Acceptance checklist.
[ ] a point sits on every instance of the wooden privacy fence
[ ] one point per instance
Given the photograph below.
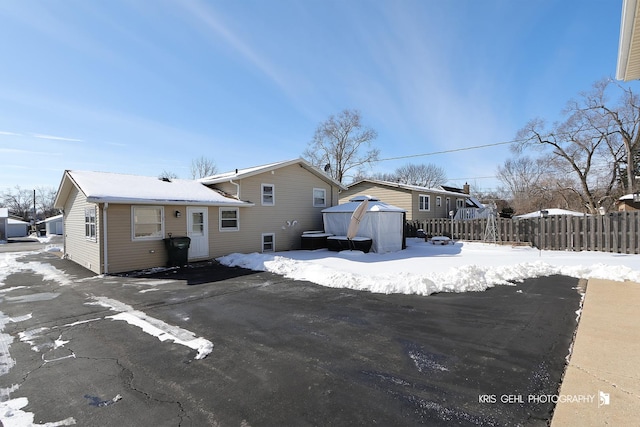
(616, 232)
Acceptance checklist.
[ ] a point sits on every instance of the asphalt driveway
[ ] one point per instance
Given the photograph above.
(285, 352)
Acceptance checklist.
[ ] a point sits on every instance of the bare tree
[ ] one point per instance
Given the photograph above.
(424, 175)
(202, 167)
(620, 124)
(19, 201)
(574, 144)
(167, 175)
(341, 144)
(45, 197)
(524, 178)
(379, 176)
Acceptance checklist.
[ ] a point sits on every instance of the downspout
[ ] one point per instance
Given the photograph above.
(237, 188)
(105, 205)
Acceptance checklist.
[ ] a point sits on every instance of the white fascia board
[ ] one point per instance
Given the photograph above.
(627, 22)
(124, 201)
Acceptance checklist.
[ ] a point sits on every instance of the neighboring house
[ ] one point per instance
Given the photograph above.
(628, 203)
(115, 223)
(472, 208)
(4, 222)
(52, 225)
(419, 202)
(11, 227)
(17, 228)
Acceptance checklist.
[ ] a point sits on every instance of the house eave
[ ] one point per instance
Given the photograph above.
(628, 66)
(132, 201)
(230, 176)
(411, 188)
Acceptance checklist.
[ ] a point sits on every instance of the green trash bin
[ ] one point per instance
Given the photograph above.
(178, 250)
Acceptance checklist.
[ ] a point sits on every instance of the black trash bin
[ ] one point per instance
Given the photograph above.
(178, 250)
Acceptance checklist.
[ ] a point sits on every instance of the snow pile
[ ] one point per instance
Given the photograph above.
(155, 327)
(9, 264)
(424, 269)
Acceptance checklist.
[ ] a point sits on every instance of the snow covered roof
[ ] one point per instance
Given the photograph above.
(551, 212)
(627, 197)
(414, 188)
(17, 222)
(50, 219)
(247, 172)
(100, 187)
(474, 202)
(363, 198)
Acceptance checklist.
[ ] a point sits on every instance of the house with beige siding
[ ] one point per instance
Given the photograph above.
(287, 197)
(115, 223)
(419, 202)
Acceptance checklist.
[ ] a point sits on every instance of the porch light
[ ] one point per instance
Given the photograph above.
(177, 213)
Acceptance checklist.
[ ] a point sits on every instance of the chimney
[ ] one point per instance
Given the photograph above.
(465, 188)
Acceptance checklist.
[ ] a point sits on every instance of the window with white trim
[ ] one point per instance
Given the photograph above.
(90, 223)
(424, 202)
(268, 242)
(268, 195)
(438, 201)
(319, 197)
(229, 219)
(147, 222)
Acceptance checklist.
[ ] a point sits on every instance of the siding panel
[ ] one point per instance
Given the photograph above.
(404, 198)
(126, 254)
(394, 196)
(292, 213)
(78, 248)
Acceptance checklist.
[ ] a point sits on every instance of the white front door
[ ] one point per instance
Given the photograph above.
(198, 231)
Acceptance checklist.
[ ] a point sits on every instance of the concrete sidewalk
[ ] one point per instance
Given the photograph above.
(602, 381)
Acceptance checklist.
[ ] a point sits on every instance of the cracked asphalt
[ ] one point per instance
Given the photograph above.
(285, 352)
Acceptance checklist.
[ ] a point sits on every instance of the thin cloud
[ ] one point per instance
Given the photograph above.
(116, 144)
(205, 14)
(55, 138)
(9, 133)
(28, 152)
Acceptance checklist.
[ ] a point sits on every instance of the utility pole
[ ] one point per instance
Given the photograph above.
(34, 212)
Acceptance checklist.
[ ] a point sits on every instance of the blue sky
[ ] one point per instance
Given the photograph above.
(142, 86)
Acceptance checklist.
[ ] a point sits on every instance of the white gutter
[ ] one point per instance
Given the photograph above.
(237, 188)
(104, 238)
(626, 35)
(125, 201)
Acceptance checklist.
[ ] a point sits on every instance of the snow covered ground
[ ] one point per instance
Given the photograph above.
(424, 268)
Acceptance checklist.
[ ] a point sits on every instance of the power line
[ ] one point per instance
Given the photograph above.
(473, 177)
(475, 147)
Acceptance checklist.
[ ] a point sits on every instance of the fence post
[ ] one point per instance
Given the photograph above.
(594, 223)
(614, 231)
(576, 233)
(624, 233)
(606, 225)
(633, 232)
